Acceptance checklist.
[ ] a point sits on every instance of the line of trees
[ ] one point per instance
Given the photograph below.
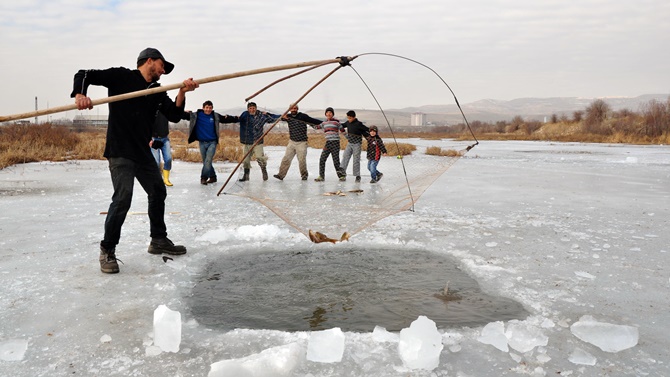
(652, 121)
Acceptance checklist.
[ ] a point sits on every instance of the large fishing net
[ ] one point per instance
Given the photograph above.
(333, 210)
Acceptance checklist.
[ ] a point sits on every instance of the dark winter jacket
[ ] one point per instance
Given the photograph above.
(297, 125)
(376, 147)
(130, 121)
(356, 131)
(251, 126)
(192, 118)
(161, 126)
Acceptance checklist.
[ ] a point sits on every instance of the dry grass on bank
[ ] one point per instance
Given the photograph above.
(45, 142)
(437, 151)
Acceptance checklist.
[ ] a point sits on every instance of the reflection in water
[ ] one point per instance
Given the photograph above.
(318, 317)
(351, 289)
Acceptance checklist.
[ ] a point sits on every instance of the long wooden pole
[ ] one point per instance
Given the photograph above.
(160, 89)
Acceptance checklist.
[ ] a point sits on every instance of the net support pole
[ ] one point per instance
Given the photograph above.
(166, 88)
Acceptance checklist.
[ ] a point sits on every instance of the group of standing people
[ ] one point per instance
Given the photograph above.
(355, 132)
(204, 127)
(138, 135)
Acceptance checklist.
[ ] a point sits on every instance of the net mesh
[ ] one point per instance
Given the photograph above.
(333, 207)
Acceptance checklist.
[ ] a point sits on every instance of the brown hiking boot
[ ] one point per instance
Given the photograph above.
(164, 245)
(108, 261)
(245, 177)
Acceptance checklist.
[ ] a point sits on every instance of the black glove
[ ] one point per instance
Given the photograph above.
(157, 144)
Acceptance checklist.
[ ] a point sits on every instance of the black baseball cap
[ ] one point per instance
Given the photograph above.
(155, 54)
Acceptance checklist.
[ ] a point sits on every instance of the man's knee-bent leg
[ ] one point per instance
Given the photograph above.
(261, 158)
(153, 185)
(247, 160)
(122, 171)
(286, 160)
(301, 151)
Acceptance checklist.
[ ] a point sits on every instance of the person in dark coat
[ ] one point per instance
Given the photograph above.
(356, 131)
(376, 150)
(127, 147)
(203, 126)
(252, 122)
(297, 144)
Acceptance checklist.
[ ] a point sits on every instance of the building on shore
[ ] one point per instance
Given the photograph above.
(418, 119)
(90, 120)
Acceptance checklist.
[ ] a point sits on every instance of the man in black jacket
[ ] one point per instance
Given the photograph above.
(127, 145)
(297, 145)
(356, 131)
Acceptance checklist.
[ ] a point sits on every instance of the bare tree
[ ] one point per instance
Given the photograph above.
(596, 114)
(656, 118)
(514, 124)
(577, 116)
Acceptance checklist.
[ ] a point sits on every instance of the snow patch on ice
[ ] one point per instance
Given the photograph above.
(13, 349)
(585, 275)
(263, 232)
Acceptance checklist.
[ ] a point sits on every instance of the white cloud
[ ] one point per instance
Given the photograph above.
(484, 49)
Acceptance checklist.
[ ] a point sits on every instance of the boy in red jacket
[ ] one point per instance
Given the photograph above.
(376, 149)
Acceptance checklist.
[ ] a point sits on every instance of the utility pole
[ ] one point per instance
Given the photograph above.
(35, 108)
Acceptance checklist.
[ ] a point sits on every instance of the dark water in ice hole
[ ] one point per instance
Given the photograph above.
(347, 288)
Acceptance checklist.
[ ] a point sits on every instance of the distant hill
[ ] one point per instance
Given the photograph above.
(532, 108)
(488, 110)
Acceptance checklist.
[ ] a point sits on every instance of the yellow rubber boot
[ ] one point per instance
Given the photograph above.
(166, 178)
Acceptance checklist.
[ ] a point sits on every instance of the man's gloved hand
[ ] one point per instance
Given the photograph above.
(157, 144)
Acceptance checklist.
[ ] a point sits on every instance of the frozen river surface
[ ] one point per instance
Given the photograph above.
(568, 230)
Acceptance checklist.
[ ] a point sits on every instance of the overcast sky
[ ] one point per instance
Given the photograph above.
(483, 49)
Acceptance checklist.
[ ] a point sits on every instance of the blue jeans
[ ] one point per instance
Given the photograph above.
(166, 151)
(207, 151)
(372, 166)
(124, 172)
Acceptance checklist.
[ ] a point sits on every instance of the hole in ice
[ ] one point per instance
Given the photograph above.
(347, 288)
